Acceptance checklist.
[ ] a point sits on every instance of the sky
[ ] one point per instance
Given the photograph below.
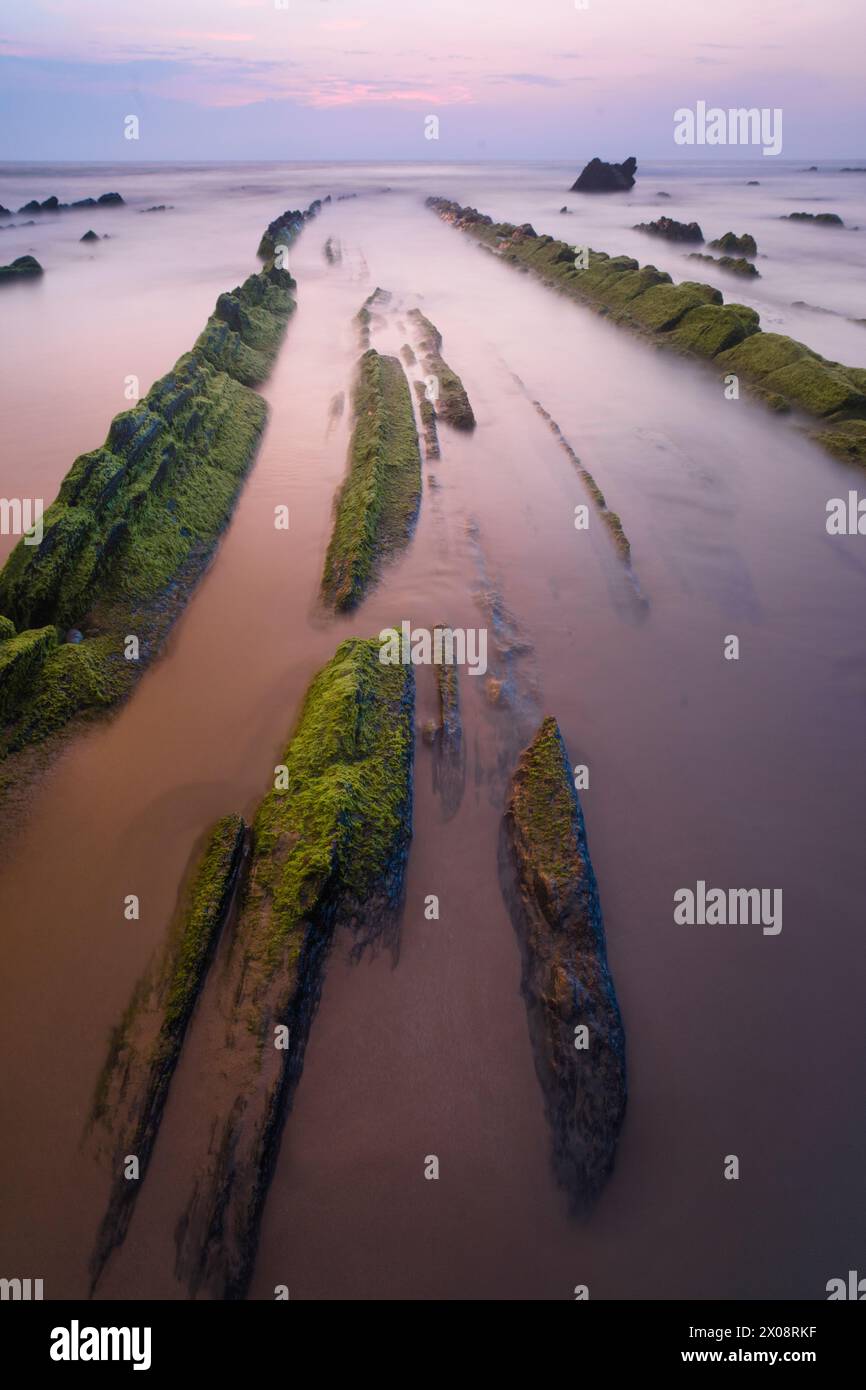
(359, 79)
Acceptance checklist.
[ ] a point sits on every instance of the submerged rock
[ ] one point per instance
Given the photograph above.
(52, 204)
(736, 265)
(145, 1049)
(89, 236)
(599, 177)
(22, 268)
(825, 219)
(671, 230)
(574, 1019)
(330, 846)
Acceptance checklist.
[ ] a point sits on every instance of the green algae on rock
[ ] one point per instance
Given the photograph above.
(364, 316)
(146, 1046)
(136, 520)
(730, 243)
(329, 848)
(378, 503)
(728, 335)
(824, 219)
(22, 268)
(574, 1018)
(671, 230)
(610, 518)
(449, 753)
(428, 422)
(737, 265)
(451, 403)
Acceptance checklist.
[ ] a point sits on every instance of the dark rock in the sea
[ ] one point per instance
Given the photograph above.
(22, 268)
(671, 230)
(737, 265)
(52, 204)
(663, 195)
(574, 1019)
(159, 207)
(563, 209)
(744, 245)
(826, 219)
(812, 169)
(89, 236)
(449, 754)
(753, 183)
(599, 177)
(853, 169)
(74, 635)
(145, 1048)
(5, 212)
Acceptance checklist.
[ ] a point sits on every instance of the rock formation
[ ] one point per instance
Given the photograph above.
(599, 177)
(671, 230)
(22, 268)
(378, 503)
(574, 1019)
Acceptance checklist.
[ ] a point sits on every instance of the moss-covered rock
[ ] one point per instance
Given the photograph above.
(365, 315)
(661, 307)
(243, 335)
(145, 1048)
(736, 265)
(21, 660)
(707, 331)
(734, 245)
(574, 1019)
(329, 851)
(7, 628)
(378, 503)
(22, 268)
(428, 422)
(136, 519)
(823, 219)
(671, 230)
(846, 440)
(451, 403)
(782, 372)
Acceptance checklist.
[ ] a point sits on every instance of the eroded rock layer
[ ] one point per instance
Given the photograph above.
(574, 1019)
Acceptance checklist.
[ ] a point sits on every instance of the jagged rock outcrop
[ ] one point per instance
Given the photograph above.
(671, 230)
(574, 1018)
(599, 177)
